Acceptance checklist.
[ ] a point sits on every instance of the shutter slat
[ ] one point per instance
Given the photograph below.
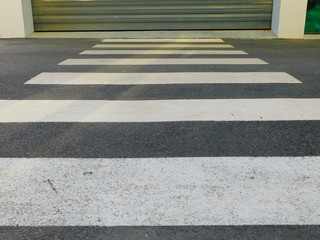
(76, 15)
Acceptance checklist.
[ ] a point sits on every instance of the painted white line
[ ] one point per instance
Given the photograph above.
(153, 192)
(159, 110)
(162, 45)
(162, 78)
(162, 61)
(184, 52)
(169, 40)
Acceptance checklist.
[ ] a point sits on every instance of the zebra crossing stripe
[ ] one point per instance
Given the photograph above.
(163, 61)
(164, 45)
(160, 191)
(184, 52)
(162, 78)
(159, 110)
(170, 40)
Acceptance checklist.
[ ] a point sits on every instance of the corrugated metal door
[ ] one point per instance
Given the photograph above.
(93, 15)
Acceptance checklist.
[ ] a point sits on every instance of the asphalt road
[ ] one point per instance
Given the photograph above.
(23, 59)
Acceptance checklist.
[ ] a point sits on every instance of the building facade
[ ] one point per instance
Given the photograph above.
(19, 18)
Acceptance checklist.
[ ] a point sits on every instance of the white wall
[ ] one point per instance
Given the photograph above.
(15, 18)
(288, 18)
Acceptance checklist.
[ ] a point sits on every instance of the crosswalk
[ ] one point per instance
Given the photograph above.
(89, 185)
(162, 46)
(68, 78)
(161, 61)
(184, 52)
(160, 191)
(159, 111)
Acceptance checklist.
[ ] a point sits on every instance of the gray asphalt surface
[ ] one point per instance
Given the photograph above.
(22, 59)
(164, 233)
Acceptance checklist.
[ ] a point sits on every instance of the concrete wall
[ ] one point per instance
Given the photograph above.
(288, 18)
(15, 18)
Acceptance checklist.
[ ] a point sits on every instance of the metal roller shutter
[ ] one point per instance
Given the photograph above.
(102, 15)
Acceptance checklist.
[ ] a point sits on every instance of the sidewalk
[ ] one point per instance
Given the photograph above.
(241, 34)
(251, 34)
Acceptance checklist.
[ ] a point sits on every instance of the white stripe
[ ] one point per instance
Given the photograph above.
(164, 45)
(153, 192)
(171, 40)
(162, 78)
(161, 61)
(185, 52)
(159, 110)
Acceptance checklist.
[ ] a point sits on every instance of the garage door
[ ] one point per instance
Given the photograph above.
(104, 15)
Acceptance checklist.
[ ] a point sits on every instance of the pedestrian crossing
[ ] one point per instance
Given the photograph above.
(160, 110)
(89, 185)
(161, 46)
(184, 52)
(163, 40)
(161, 61)
(159, 191)
(67, 78)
